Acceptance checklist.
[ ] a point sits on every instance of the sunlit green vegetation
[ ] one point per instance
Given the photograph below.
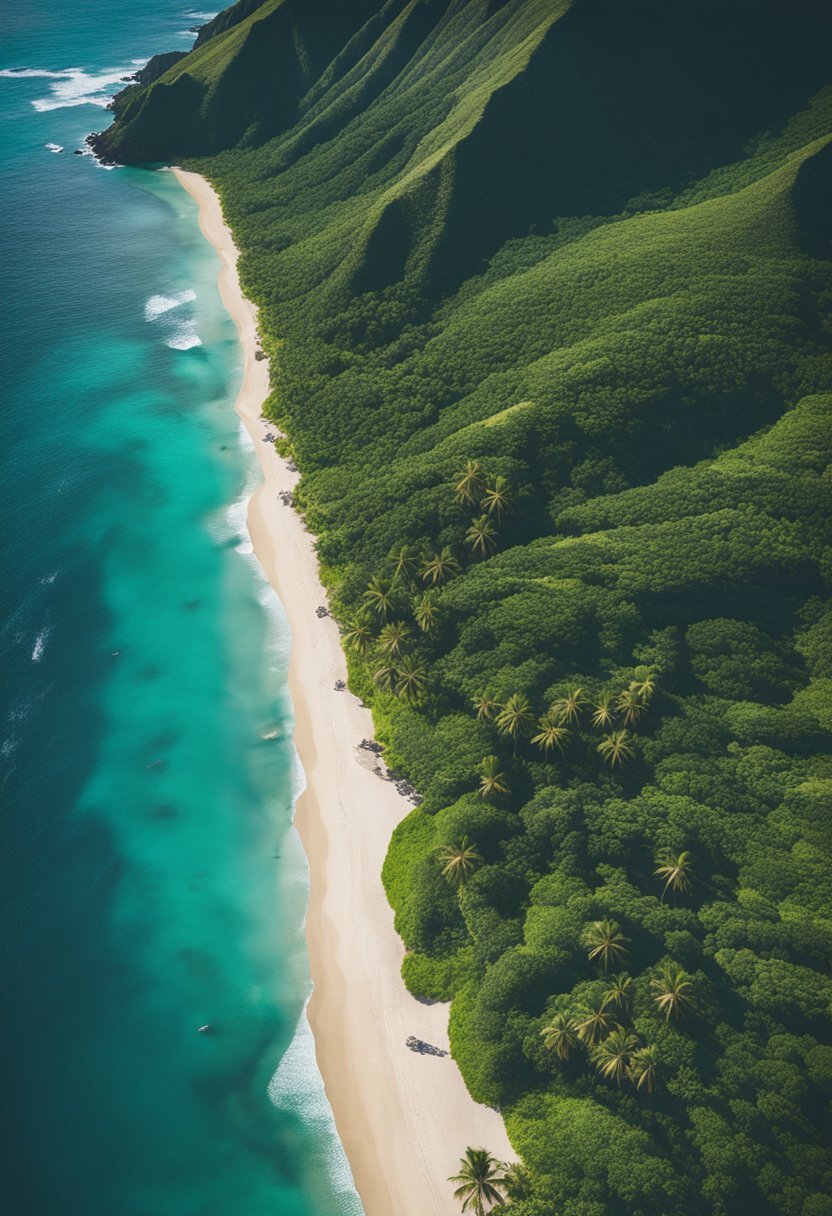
(547, 292)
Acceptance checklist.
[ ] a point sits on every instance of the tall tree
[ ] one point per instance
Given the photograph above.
(405, 564)
(480, 1181)
(677, 873)
(427, 613)
(482, 536)
(496, 497)
(459, 861)
(394, 637)
(518, 1181)
(469, 482)
(592, 1022)
(604, 942)
(485, 706)
(616, 747)
(619, 994)
(643, 1068)
(672, 988)
(384, 677)
(613, 1055)
(358, 633)
(551, 733)
(644, 684)
(440, 567)
(561, 1036)
(380, 597)
(515, 717)
(493, 782)
(568, 707)
(630, 705)
(602, 713)
(411, 678)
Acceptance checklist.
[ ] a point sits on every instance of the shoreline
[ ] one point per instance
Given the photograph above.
(404, 1118)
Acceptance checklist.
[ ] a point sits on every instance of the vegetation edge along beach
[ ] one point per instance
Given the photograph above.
(545, 289)
(402, 1117)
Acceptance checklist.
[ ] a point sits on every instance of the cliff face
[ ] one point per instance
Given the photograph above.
(243, 81)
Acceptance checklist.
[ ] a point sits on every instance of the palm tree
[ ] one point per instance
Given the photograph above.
(482, 536)
(552, 734)
(485, 706)
(630, 704)
(644, 684)
(605, 942)
(613, 1057)
(411, 678)
(561, 1035)
(480, 1182)
(515, 717)
(358, 633)
(459, 861)
(643, 1068)
(394, 637)
(440, 567)
(384, 677)
(671, 989)
(405, 564)
(379, 596)
(517, 1181)
(592, 1023)
(492, 780)
(619, 993)
(568, 707)
(469, 483)
(677, 873)
(427, 612)
(603, 714)
(616, 747)
(496, 497)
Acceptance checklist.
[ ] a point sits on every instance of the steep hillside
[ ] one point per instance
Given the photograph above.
(547, 290)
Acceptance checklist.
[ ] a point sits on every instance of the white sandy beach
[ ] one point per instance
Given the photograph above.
(404, 1118)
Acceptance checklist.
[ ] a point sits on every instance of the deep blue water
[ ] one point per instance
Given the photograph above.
(150, 879)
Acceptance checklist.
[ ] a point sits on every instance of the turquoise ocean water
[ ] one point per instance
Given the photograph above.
(150, 878)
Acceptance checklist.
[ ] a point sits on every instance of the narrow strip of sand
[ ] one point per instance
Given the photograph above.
(404, 1118)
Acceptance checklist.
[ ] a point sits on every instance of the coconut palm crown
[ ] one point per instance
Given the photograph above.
(479, 1180)
(561, 1036)
(459, 861)
(677, 873)
(493, 781)
(605, 942)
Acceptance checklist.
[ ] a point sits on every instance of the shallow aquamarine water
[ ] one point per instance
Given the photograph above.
(150, 878)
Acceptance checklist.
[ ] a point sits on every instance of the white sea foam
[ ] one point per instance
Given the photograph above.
(197, 16)
(297, 1087)
(73, 86)
(184, 337)
(43, 104)
(54, 147)
(157, 305)
(33, 73)
(49, 578)
(40, 643)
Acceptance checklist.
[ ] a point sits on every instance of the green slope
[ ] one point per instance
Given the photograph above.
(588, 245)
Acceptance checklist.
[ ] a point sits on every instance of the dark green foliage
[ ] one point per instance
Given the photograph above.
(582, 251)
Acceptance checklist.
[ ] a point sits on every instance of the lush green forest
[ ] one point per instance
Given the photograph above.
(547, 291)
